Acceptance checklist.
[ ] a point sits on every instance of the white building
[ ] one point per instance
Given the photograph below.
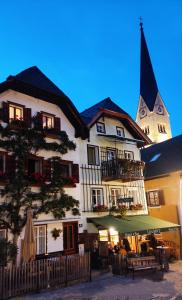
(23, 96)
(111, 167)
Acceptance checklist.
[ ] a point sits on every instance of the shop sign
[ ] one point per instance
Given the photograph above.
(132, 233)
(153, 231)
(125, 200)
(172, 229)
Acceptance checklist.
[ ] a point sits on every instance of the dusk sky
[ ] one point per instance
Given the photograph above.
(91, 49)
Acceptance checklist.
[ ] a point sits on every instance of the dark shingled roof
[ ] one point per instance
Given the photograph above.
(148, 84)
(88, 114)
(163, 158)
(34, 83)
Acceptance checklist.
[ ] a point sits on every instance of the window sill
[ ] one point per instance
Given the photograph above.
(154, 206)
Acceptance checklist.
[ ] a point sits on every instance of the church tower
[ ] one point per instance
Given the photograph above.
(152, 114)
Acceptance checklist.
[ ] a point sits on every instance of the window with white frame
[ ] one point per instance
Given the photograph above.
(101, 127)
(97, 197)
(154, 198)
(40, 239)
(15, 112)
(129, 154)
(120, 131)
(93, 155)
(115, 194)
(48, 121)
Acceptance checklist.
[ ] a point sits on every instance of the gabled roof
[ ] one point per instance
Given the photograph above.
(163, 158)
(108, 108)
(89, 113)
(34, 83)
(148, 84)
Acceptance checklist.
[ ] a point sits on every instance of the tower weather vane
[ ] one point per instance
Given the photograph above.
(141, 22)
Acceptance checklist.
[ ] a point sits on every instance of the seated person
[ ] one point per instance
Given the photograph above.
(126, 245)
(143, 249)
(116, 248)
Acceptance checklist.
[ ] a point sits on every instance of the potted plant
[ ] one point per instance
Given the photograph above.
(56, 233)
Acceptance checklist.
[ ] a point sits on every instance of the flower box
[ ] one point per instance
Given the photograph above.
(100, 208)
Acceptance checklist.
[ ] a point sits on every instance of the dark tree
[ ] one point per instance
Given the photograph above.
(21, 143)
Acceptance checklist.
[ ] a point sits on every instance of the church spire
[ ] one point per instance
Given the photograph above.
(152, 115)
(148, 84)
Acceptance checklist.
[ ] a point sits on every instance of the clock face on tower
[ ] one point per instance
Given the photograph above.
(143, 112)
(160, 110)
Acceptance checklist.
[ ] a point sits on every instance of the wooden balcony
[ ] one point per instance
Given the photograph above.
(122, 169)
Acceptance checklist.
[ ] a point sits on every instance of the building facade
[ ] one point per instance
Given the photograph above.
(111, 170)
(29, 94)
(163, 185)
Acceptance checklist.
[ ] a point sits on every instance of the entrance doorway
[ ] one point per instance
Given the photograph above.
(70, 237)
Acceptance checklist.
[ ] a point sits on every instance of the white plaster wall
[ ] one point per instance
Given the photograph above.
(38, 105)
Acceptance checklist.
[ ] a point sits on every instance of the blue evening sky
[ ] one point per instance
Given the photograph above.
(91, 48)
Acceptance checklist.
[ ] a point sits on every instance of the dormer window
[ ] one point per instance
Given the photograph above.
(101, 127)
(48, 121)
(120, 131)
(15, 113)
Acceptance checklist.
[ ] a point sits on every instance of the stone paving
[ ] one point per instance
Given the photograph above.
(145, 286)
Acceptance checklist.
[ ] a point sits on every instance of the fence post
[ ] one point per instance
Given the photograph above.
(66, 270)
(89, 266)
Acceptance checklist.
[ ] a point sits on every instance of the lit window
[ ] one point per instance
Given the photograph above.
(153, 198)
(120, 131)
(129, 155)
(93, 155)
(103, 235)
(97, 197)
(101, 127)
(15, 113)
(40, 239)
(48, 121)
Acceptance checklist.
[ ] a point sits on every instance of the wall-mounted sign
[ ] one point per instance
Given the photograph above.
(125, 200)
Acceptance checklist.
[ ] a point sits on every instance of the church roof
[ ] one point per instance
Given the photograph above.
(34, 83)
(163, 158)
(148, 84)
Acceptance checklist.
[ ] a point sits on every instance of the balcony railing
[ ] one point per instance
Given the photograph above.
(124, 169)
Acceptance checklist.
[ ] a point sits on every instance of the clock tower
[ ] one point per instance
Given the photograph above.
(152, 115)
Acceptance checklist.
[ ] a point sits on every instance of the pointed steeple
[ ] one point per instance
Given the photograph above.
(148, 84)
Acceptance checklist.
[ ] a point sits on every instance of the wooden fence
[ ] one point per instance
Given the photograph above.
(43, 274)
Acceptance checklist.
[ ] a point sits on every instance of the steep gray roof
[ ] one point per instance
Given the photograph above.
(163, 158)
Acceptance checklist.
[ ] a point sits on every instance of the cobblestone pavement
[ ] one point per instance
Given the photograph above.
(145, 286)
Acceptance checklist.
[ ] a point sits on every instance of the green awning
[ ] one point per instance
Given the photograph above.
(134, 225)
